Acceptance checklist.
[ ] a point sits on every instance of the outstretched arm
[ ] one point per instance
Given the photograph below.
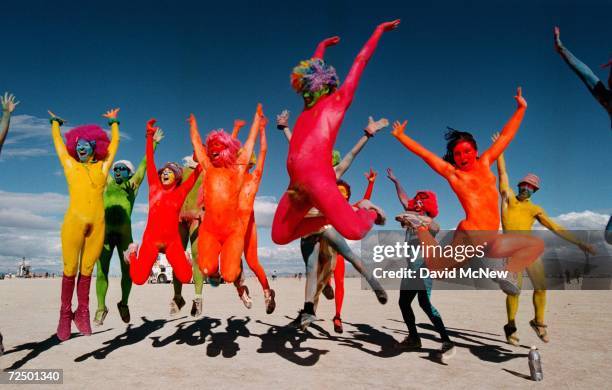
(371, 129)
(196, 141)
(560, 231)
(371, 177)
(508, 132)
(188, 184)
(152, 177)
(139, 175)
(8, 105)
(238, 124)
(324, 44)
(282, 123)
(401, 194)
(249, 144)
(442, 167)
(263, 150)
(352, 79)
(504, 184)
(111, 115)
(582, 70)
(58, 142)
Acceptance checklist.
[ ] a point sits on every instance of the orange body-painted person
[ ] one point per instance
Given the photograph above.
(221, 233)
(471, 179)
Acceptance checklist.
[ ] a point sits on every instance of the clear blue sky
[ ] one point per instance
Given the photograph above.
(449, 63)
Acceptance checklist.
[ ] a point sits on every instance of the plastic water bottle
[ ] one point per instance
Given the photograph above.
(535, 365)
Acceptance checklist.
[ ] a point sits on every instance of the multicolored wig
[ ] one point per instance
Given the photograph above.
(229, 155)
(313, 75)
(174, 167)
(88, 133)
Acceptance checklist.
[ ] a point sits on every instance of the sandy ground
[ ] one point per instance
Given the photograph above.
(232, 347)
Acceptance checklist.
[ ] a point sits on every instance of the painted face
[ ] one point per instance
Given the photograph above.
(344, 192)
(416, 203)
(167, 177)
(85, 150)
(121, 173)
(214, 152)
(526, 190)
(311, 98)
(464, 155)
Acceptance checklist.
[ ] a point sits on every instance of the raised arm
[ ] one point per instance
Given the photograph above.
(371, 177)
(152, 177)
(401, 194)
(352, 79)
(582, 70)
(247, 148)
(508, 132)
(282, 123)
(196, 141)
(371, 129)
(263, 150)
(139, 175)
(560, 231)
(436, 163)
(188, 184)
(111, 115)
(504, 184)
(58, 141)
(324, 44)
(238, 124)
(8, 105)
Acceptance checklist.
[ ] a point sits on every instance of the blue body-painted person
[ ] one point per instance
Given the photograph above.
(423, 205)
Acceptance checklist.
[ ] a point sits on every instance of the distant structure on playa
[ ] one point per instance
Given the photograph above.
(24, 270)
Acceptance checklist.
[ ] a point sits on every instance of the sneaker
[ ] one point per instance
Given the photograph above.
(100, 316)
(509, 284)
(338, 324)
(447, 351)
(196, 307)
(269, 301)
(413, 220)
(511, 334)
(132, 249)
(124, 312)
(540, 330)
(176, 305)
(243, 293)
(328, 292)
(409, 343)
(306, 319)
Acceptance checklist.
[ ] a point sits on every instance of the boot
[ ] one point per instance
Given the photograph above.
(65, 318)
(81, 315)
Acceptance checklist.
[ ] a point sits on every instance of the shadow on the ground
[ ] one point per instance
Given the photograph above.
(286, 342)
(518, 374)
(386, 343)
(38, 347)
(132, 335)
(191, 332)
(224, 343)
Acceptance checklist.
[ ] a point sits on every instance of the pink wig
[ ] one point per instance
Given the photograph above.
(228, 155)
(88, 133)
(428, 200)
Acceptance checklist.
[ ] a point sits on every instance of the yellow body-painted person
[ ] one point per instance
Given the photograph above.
(86, 158)
(518, 214)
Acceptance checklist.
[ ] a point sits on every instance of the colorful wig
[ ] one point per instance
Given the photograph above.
(232, 146)
(88, 133)
(428, 200)
(313, 75)
(174, 167)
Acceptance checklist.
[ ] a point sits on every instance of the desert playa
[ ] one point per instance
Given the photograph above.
(233, 347)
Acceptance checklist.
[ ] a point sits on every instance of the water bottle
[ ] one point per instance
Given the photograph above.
(535, 365)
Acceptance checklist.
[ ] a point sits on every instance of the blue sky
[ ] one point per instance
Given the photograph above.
(449, 64)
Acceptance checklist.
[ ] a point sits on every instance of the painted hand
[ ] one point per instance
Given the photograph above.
(522, 103)
(111, 114)
(398, 128)
(371, 176)
(374, 126)
(151, 129)
(282, 120)
(8, 102)
(388, 26)
(56, 118)
(390, 175)
(158, 135)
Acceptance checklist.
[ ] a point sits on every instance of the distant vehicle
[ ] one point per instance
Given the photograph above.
(1, 276)
(161, 271)
(24, 270)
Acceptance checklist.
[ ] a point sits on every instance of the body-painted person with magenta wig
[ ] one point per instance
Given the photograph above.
(470, 177)
(518, 214)
(221, 233)
(8, 106)
(424, 203)
(312, 179)
(313, 246)
(167, 192)
(595, 86)
(86, 159)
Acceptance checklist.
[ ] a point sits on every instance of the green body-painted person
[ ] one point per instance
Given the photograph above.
(121, 190)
